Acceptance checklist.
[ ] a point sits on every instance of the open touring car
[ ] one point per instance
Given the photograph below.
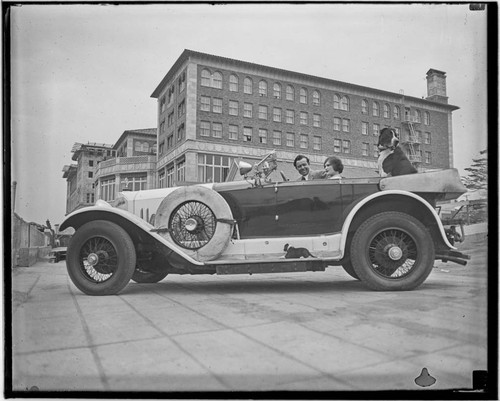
(383, 231)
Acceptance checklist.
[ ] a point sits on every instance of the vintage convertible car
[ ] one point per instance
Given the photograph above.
(383, 231)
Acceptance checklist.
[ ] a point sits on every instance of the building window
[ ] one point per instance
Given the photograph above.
(376, 129)
(427, 118)
(428, 157)
(303, 118)
(344, 103)
(277, 90)
(316, 120)
(346, 146)
(170, 142)
(180, 132)
(276, 114)
(262, 88)
(337, 145)
(418, 116)
(233, 132)
(170, 117)
(418, 136)
(263, 135)
(205, 78)
(161, 179)
(170, 95)
(304, 141)
(375, 109)
(134, 183)
(290, 116)
(170, 176)
(364, 148)
(427, 138)
(364, 106)
(276, 137)
(182, 81)
(303, 96)
(91, 163)
(217, 130)
(217, 105)
(162, 126)
(317, 143)
(217, 80)
(364, 128)
(407, 114)
(233, 108)
(290, 93)
(233, 83)
(346, 125)
(290, 139)
(375, 151)
(336, 102)
(395, 113)
(181, 109)
(162, 104)
(316, 98)
(90, 197)
(247, 134)
(108, 189)
(336, 124)
(181, 171)
(387, 111)
(263, 112)
(205, 103)
(247, 86)
(90, 174)
(160, 149)
(213, 168)
(247, 110)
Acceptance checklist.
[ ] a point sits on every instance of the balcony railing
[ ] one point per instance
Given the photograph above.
(122, 161)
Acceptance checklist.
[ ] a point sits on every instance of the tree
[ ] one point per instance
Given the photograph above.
(478, 173)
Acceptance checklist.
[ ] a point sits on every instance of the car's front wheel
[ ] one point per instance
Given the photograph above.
(392, 251)
(101, 258)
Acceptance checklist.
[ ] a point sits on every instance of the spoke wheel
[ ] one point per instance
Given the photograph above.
(101, 258)
(192, 225)
(392, 251)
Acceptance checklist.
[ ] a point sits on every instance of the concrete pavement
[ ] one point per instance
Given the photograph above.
(298, 331)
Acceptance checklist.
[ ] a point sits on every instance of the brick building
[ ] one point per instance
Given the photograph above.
(133, 168)
(212, 110)
(80, 177)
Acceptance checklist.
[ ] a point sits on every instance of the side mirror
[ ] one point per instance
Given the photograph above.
(244, 168)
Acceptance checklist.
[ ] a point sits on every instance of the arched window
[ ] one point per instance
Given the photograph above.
(316, 98)
(290, 93)
(145, 147)
(262, 88)
(205, 78)
(375, 109)
(217, 80)
(364, 106)
(344, 103)
(396, 113)
(387, 110)
(336, 102)
(277, 90)
(303, 96)
(418, 116)
(137, 146)
(233, 83)
(427, 118)
(247, 86)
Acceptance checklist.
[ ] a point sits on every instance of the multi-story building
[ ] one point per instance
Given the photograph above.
(133, 168)
(212, 110)
(80, 177)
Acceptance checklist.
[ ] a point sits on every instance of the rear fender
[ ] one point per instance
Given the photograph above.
(125, 219)
(365, 203)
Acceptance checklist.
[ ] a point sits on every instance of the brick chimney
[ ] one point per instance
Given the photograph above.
(436, 86)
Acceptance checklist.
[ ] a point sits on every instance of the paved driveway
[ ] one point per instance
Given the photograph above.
(299, 331)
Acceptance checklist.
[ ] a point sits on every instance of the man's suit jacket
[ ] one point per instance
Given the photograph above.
(313, 175)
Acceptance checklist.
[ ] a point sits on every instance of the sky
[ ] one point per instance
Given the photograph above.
(85, 73)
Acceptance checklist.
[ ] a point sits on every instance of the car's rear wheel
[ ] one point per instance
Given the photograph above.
(392, 251)
(101, 258)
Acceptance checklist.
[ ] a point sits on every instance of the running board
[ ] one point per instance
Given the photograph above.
(256, 268)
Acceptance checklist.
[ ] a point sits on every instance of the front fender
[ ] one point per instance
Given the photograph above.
(350, 217)
(104, 211)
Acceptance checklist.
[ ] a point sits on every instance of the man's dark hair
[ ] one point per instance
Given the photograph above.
(298, 158)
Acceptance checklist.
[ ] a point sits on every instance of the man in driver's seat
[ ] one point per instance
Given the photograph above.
(302, 165)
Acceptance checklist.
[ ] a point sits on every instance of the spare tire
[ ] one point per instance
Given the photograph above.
(197, 219)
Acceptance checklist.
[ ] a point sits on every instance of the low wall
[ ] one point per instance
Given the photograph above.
(27, 257)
